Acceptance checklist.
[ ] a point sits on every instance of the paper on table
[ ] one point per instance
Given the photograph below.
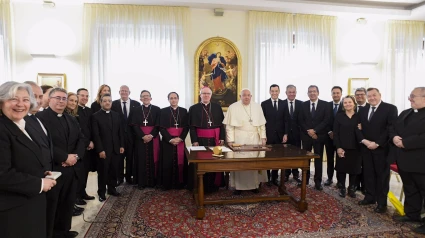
(223, 149)
(196, 148)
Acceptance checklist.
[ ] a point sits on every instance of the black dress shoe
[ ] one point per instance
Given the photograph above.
(365, 202)
(406, 219)
(328, 182)
(80, 202)
(78, 208)
(275, 182)
(256, 190)
(87, 197)
(297, 179)
(318, 187)
(102, 198)
(114, 193)
(129, 180)
(237, 192)
(339, 185)
(76, 213)
(342, 192)
(352, 193)
(120, 181)
(419, 230)
(381, 209)
(71, 234)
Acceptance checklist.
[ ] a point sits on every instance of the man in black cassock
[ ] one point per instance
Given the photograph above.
(174, 127)
(145, 122)
(68, 148)
(206, 129)
(84, 117)
(108, 137)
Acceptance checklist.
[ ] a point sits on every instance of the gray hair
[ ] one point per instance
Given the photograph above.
(200, 91)
(360, 90)
(54, 90)
(9, 89)
(32, 83)
(244, 89)
(290, 86)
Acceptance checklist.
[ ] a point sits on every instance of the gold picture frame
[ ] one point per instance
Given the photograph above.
(355, 83)
(54, 80)
(218, 65)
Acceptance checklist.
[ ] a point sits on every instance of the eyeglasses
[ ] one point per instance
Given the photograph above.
(145, 96)
(412, 96)
(60, 98)
(206, 93)
(360, 94)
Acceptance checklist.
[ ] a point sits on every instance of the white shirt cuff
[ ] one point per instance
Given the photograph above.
(42, 183)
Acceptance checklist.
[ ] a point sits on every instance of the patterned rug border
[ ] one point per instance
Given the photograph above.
(379, 225)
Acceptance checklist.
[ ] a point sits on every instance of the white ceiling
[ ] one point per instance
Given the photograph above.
(379, 9)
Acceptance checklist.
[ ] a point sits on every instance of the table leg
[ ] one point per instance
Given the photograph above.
(282, 187)
(201, 211)
(302, 204)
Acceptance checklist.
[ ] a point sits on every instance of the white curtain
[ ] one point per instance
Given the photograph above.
(290, 49)
(5, 41)
(139, 46)
(404, 65)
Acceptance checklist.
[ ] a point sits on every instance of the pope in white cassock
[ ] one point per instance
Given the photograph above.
(245, 124)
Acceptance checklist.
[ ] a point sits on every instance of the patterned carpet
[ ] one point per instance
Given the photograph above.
(156, 213)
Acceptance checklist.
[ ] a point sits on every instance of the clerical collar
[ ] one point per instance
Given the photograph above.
(146, 105)
(106, 111)
(29, 114)
(206, 104)
(419, 110)
(174, 108)
(58, 114)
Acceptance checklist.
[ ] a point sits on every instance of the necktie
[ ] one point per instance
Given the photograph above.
(358, 108)
(372, 112)
(274, 105)
(335, 109)
(291, 110)
(124, 110)
(313, 110)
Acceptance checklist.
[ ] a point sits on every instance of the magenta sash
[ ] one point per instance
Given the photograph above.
(211, 133)
(147, 130)
(175, 132)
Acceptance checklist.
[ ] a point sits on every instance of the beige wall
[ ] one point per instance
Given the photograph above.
(203, 26)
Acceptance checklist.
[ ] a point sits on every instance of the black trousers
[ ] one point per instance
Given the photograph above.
(360, 180)
(377, 171)
(107, 173)
(330, 156)
(318, 167)
(414, 189)
(128, 157)
(295, 142)
(342, 177)
(83, 174)
(274, 139)
(60, 203)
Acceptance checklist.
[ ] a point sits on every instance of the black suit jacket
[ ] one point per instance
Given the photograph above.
(84, 119)
(332, 117)
(292, 128)
(275, 119)
(116, 106)
(319, 123)
(411, 157)
(106, 136)
(377, 129)
(74, 143)
(21, 167)
(33, 121)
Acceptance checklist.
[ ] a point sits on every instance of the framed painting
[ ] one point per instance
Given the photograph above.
(355, 83)
(218, 65)
(54, 80)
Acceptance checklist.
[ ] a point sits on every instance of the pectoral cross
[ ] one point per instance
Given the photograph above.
(145, 122)
(176, 125)
(209, 122)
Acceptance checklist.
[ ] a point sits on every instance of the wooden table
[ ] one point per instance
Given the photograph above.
(279, 157)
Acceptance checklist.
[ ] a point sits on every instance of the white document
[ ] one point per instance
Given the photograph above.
(223, 149)
(196, 148)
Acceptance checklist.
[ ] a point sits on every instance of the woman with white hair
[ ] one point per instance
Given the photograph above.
(22, 174)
